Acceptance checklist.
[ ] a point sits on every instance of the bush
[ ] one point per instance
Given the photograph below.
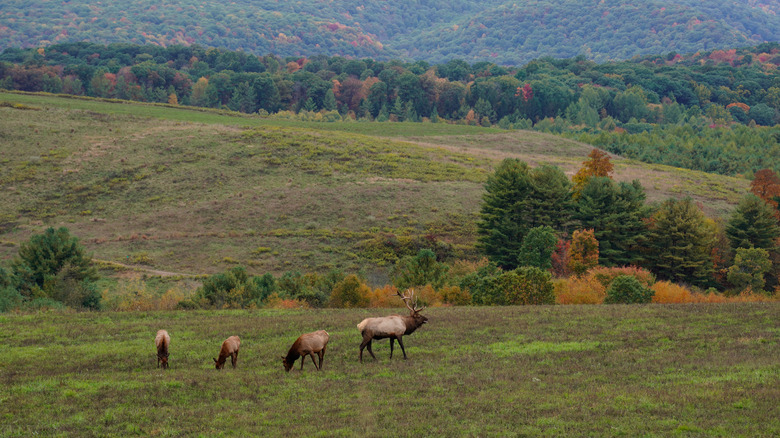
(579, 290)
(525, 285)
(419, 270)
(626, 289)
(606, 275)
(455, 296)
(55, 265)
(480, 285)
(235, 289)
(10, 299)
(350, 292)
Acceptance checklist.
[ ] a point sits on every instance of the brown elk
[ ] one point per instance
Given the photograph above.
(393, 327)
(229, 348)
(307, 345)
(162, 341)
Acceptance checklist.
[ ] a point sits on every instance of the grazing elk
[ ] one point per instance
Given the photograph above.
(393, 327)
(307, 345)
(162, 341)
(229, 348)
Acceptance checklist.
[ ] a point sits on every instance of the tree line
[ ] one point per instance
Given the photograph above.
(708, 110)
(546, 239)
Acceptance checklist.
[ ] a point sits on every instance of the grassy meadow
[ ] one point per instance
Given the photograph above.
(660, 370)
(161, 190)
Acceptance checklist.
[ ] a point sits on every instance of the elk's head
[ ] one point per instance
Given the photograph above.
(163, 360)
(411, 304)
(287, 365)
(219, 363)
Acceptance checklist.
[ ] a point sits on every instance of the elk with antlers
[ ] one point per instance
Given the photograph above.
(393, 327)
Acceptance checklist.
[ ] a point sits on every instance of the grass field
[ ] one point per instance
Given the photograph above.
(675, 370)
(165, 190)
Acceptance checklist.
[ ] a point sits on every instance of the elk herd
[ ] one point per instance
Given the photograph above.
(314, 344)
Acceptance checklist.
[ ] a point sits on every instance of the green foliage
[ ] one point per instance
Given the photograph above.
(537, 248)
(616, 213)
(55, 265)
(626, 289)
(350, 292)
(10, 299)
(235, 289)
(753, 225)
(420, 270)
(750, 265)
(525, 285)
(516, 200)
(680, 243)
(479, 285)
(309, 288)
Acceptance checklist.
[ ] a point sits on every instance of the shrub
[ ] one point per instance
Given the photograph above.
(480, 285)
(383, 297)
(55, 265)
(579, 290)
(605, 275)
(350, 292)
(455, 296)
(274, 301)
(427, 296)
(526, 285)
(10, 299)
(667, 293)
(235, 289)
(419, 270)
(626, 289)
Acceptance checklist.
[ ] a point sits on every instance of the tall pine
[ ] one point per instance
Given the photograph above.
(616, 213)
(680, 242)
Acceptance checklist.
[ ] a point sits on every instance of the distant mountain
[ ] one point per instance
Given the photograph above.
(501, 31)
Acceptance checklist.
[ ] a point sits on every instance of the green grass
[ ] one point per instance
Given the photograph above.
(539, 371)
(195, 192)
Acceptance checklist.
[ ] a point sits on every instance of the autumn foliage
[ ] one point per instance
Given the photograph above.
(597, 164)
(584, 251)
(766, 185)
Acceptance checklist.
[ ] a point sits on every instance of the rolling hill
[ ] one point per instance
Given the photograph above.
(197, 191)
(499, 31)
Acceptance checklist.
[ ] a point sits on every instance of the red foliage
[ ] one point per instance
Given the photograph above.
(526, 92)
(560, 259)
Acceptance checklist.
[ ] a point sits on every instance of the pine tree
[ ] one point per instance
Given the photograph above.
(753, 225)
(503, 216)
(616, 212)
(680, 243)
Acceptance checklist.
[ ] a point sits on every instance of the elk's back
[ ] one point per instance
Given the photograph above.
(384, 326)
(162, 339)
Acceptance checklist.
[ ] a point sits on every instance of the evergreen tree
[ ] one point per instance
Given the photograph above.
(680, 243)
(243, 99)
(753, 225)
(384, 114)
(503, 216)
(329, 103)
(750, 265)
(537, 248)
(398, 109)
(616, 212)
(549, 201)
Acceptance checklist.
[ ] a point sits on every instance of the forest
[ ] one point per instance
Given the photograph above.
(500, 31)
(715, 111)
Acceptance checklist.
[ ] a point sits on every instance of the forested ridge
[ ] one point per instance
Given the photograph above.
(715, 111)
(505, 32)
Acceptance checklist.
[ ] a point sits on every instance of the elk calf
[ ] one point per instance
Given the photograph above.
(229, 348)
(393, 327)
(307, 345)
(162, 341)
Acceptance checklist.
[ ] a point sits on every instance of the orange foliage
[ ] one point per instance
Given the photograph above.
(579, 290)
(383, 297)
(605, 275)
(597, 164)
(670, 293)
(741, 105)
(276, 302)
(584, 251)
(461, 268)
(766, 185)
(455, 296)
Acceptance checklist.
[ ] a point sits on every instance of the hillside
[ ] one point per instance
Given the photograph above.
(500, 31)
(197, 192)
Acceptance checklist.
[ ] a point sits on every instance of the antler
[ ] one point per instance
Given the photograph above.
(409, 300)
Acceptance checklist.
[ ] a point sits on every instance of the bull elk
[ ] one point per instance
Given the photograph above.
(162, 341)
(229, 348)
(307, 345)
(393, 327)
